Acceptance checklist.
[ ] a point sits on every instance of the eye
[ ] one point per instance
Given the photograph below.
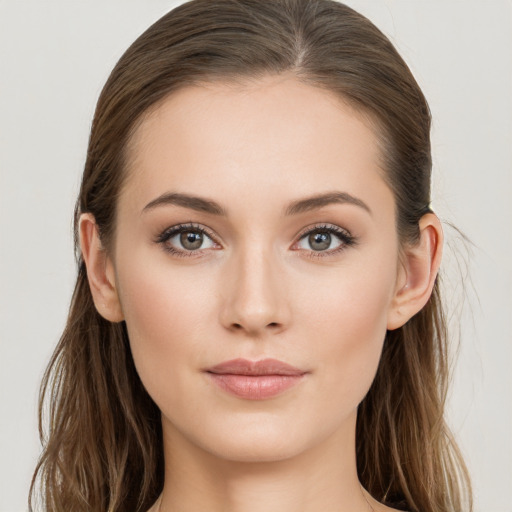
(327, 239)
(185, 239)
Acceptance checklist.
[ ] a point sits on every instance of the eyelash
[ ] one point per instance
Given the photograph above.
(167, 234)
(346, 239)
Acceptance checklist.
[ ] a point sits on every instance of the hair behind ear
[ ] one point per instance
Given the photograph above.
(105, 431)
(402, 419)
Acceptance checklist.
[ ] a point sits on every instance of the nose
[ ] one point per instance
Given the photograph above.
(254, 301)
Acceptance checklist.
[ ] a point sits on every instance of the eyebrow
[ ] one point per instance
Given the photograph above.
(186, 201)
(326, 199)
(201, 204)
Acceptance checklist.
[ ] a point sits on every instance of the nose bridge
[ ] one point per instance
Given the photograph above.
(256, 300)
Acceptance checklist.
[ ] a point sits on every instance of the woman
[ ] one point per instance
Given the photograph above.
(256, 323)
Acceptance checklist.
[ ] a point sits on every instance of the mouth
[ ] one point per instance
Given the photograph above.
(255, 380)
(255, 368)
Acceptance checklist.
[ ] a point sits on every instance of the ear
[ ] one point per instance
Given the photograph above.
(418, 272)
(100, 271)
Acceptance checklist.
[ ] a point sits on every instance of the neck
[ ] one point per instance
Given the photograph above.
(322, 478)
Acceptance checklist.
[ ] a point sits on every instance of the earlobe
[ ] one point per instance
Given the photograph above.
(100, 270)
(418, 272)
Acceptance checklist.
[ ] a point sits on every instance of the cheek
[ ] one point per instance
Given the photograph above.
(347, 318)
(167, 315)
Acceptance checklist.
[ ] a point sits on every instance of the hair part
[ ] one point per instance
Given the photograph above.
(103, 449)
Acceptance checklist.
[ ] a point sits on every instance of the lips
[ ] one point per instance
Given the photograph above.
(255, 380)
(263, 367)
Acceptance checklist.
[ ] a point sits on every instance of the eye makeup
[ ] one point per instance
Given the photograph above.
(317, 241)
(321, 235)
(190, 234)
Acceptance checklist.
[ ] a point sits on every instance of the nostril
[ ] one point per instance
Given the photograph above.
(238, 327)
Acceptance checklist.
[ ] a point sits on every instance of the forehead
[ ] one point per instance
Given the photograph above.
(253, 140)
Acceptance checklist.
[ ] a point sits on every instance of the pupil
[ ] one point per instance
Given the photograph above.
(320, 241)
(191, 240)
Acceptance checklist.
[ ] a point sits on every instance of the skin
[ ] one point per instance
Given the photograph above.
(257, 289)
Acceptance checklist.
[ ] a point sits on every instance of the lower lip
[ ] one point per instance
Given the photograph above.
(255, 387)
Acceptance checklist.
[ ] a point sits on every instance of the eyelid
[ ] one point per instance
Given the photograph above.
(323, 226)
(346, 238)
(172, 231)
(177, 228)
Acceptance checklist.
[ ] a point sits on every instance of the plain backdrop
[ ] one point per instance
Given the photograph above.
(55, 56)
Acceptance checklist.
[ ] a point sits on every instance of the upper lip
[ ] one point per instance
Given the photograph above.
(262, 367)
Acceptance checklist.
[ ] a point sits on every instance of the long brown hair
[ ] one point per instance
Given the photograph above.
(103, 444)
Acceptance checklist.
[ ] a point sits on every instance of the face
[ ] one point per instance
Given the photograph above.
(254, 223)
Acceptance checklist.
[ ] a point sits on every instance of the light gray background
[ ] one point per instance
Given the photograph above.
(54, 58)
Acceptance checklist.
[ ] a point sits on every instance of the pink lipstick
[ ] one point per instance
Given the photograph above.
(255, 380)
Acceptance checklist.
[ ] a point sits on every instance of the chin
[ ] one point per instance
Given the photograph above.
(260, 439)
(257, 448)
